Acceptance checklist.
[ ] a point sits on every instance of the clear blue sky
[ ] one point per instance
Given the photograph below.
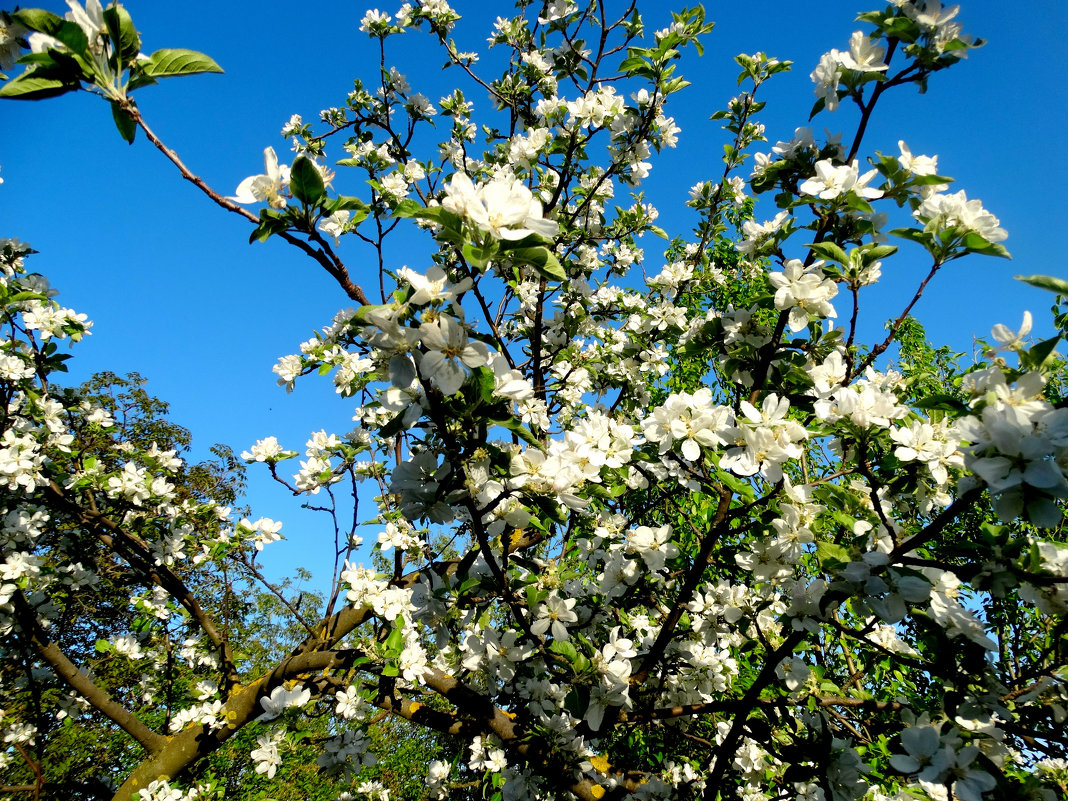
(177, 294)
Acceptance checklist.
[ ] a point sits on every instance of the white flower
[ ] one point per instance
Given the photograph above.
(556, 613)
(863, 55)
(654, 545)
(266, 756)
(281, 699)
(917, 165)
(947, 211)
(757, 234)
(128, 646)
(90, 19)
(264, 531)
(350, 704)
(833, 181)
(504, 208)
(335, 225)
(794, 672)
(160, 790)
(1008, 339)
(448, 349)
(10, 48)
(804, 291)
(434, 286)
(374, 20)
(924, 753)
(294, 124)
(827, 75)
(268, 187)
(265, 450)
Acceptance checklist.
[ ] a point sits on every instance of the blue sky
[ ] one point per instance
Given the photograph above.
(176, 292)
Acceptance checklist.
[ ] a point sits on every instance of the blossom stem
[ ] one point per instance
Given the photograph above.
(337, 271)
(880, 348)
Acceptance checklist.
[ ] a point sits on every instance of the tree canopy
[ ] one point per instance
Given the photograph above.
(655, 521)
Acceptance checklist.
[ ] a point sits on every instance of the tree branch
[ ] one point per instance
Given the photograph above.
(79, 681)
(137, 553)
(333, 266)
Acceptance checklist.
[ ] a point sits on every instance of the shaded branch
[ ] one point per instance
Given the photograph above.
(79, 681)
(138, 555)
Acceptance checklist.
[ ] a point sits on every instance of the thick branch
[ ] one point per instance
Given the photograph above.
(80, 682)
(136, 552)
(197, 741)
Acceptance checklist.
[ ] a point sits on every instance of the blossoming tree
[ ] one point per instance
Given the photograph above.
(651, 528)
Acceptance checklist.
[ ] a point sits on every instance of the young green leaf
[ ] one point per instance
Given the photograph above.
(1047, 282)
(829, 251)
(37, 19)
(170, 62)
(124, 122)
(542, 260)
(31, 87)
(306, 182)
(71, 35)
(976, 244)
(479, 256)
(121, 30)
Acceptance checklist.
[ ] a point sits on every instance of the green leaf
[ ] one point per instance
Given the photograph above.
(564, 649)
(37, 19)
(170, 62)
(306, 182)
(877, 252)
(270, 224)
(542, 260)
(137, 81)
(857, 203)
(348, 203)
(480, 256)
(1039, 354)
(829, 251)
(549, 508)
(484, 380)
(394, 643)
(976, 244)
(913, 235)
(407, 208)
(516, 425)
(1047, 282)
(737, 485)
(660, 232)
(831, 555)
(121, 29)
(124, 122)
(71, 34)
(30, 87)
(942, 402)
